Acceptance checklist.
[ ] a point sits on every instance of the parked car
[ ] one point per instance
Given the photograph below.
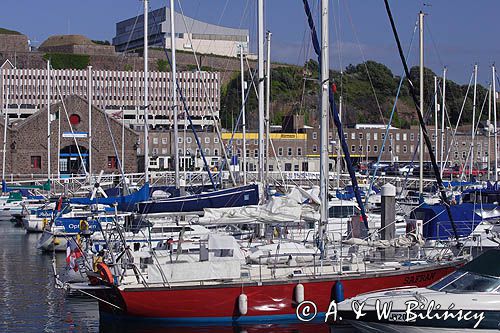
(406, 170)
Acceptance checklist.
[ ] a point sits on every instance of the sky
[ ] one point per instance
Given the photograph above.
(458, 33)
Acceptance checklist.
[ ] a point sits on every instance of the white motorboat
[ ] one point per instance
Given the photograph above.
(465, 300)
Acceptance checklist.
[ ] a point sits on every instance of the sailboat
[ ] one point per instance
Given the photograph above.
(219, 282)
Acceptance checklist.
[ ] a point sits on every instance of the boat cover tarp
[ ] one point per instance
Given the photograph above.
(289, 207)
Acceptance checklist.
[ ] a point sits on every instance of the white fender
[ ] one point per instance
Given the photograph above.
(243, 304)
(299, 293)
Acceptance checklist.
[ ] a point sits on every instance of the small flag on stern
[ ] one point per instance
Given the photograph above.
(72, 253)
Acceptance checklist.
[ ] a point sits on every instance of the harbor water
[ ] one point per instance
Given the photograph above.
(30, 303)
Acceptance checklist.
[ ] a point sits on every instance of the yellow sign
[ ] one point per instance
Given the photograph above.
(274, 136)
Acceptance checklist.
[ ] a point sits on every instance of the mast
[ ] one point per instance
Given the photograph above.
(174, 94)
(436, 120)
(6, 122)
(324, 125)
(443, 115)
(48, 119)
(495, 126)
(268, 97)
(473, 130)
(488, 123)
(421, 136)
(243, 121)
(146, 97)
(260, 41)
(337, 148)
(89, 94)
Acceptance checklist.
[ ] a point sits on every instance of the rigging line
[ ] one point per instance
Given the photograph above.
(469, 153)
(207, 99)
(365, 63)
(120, 162)
(336, 119)
(425, 134)
(186, 110)
(70, 126)
(252, 77)
(391, 117)
(454, 132)
(428, 29)
(132, 31)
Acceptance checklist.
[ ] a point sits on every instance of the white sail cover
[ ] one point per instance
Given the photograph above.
(288, 208)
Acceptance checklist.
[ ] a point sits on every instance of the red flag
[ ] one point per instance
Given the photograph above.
(72, 253)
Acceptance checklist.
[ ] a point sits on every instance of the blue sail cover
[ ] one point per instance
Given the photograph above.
(437, 225)
(232, 197)
(125, 202)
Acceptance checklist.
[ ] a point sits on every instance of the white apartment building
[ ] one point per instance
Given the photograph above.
(24, 91)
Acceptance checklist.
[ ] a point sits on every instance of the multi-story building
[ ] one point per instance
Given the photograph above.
(190, 34)
(24, 91)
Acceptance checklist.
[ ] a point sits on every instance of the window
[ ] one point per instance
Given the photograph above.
(346, 135)
(390, 136)
(155, 141)
(397, 136)
(280, 151)
(63, 165)
(367, 136)
(405, 136)
(289, 151)
(360, 148)
(305, 166)
(353, 149)
(271, 167)
(216, 140)
(247, 153)
(164, 151)
(360, 136)
(296, 167)
(155, 151)
(405, 149)
(412, 148)
(383, 136)
(375, 136)
(368, 148)
(288, 166)
(256, 153)
(353, 136)
(456, 155)
(315, 148)
(216, 152)
(112, 162)
(207, 151)
(299, 151)
(36, 162)
(179, 139)
(315, 135)
(397, 148)
(164, 140)
(188, 139)
(207, 139)
(464, 154)
(375, 148)
(412, 136)
(433, 137)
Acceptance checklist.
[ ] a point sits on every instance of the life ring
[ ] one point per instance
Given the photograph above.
(105, 273)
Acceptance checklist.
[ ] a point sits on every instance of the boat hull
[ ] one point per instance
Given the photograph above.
(269, 301)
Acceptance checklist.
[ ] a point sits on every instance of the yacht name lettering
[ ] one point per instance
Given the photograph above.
(420, 278)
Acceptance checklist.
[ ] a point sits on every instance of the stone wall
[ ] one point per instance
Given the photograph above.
(14, 43)
(30, 139)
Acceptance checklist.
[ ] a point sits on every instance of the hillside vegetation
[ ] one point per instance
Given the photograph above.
(295, 90)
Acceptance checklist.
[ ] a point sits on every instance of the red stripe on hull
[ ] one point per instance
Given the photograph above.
(264, 300)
